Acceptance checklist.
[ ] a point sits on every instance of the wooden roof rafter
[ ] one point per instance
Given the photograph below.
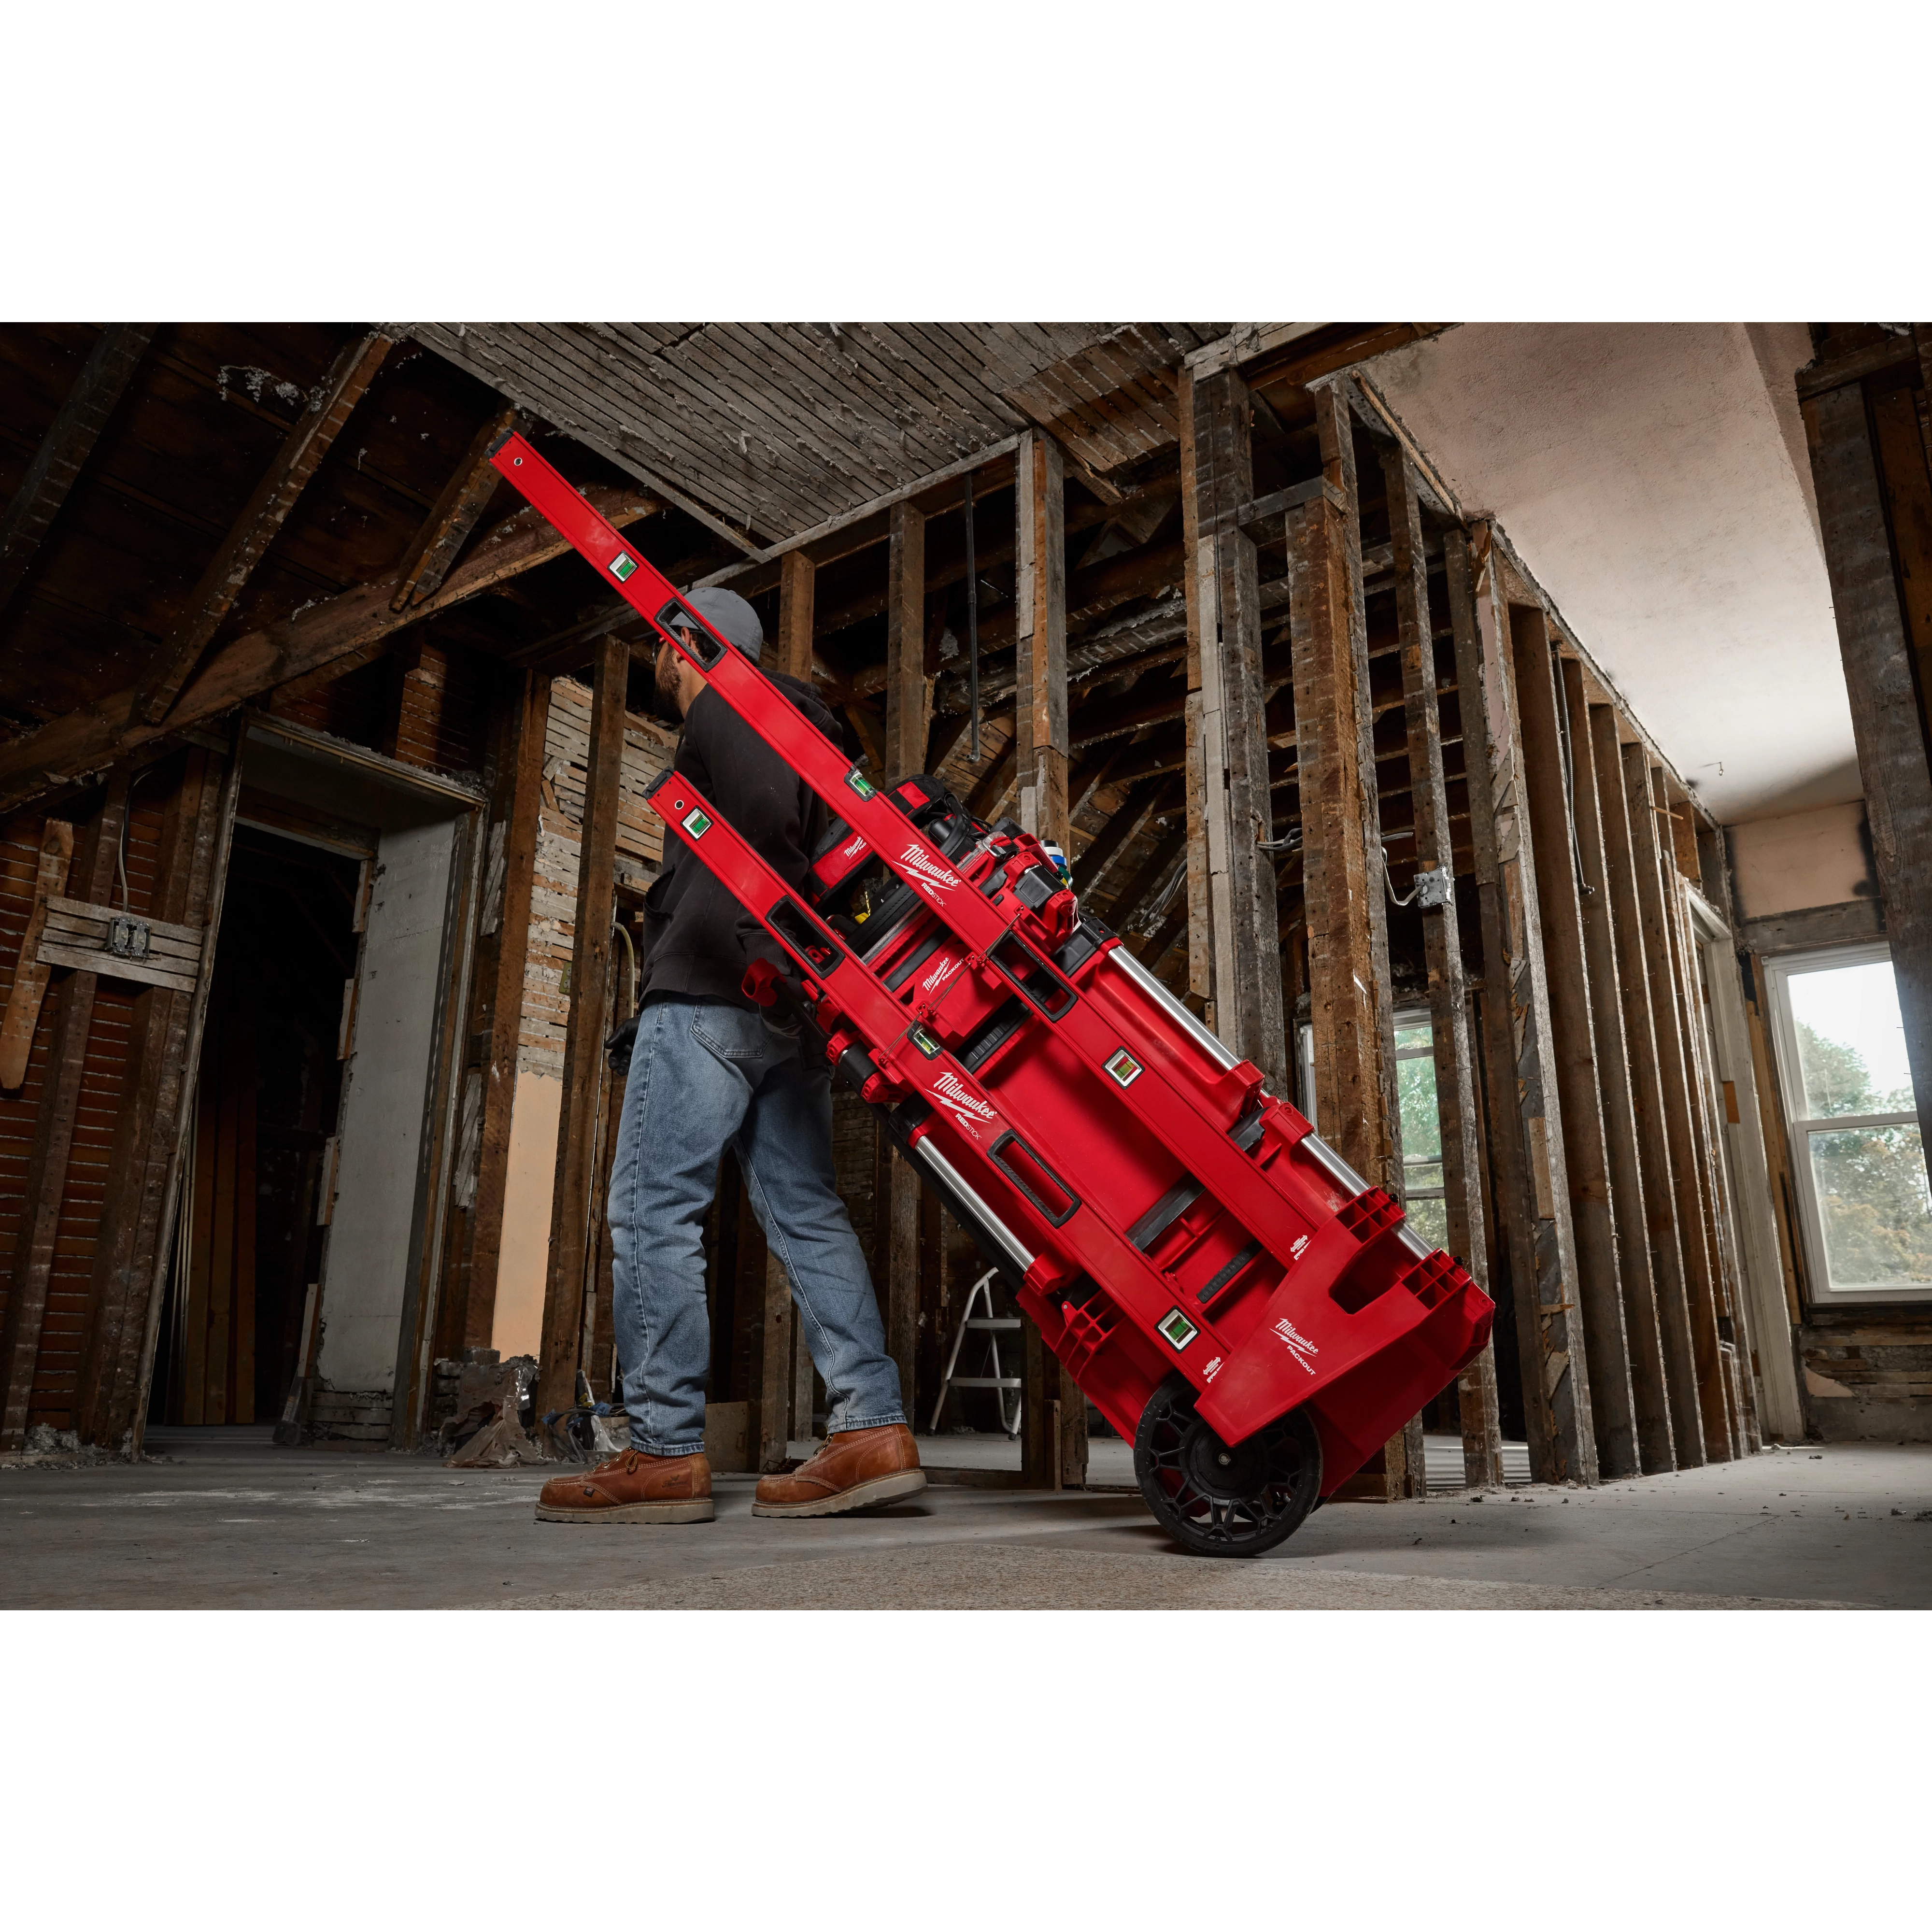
(317, 644)
(68, 444)
(308, 441)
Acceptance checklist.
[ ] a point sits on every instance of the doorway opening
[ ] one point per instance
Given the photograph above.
(259, 1138)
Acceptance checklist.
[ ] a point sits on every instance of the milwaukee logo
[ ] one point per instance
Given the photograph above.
(960, 1102)
(1297, 1344)
(930, 873)
(853, 850)
(940, 974)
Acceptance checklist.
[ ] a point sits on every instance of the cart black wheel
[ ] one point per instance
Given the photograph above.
(1219, 1501)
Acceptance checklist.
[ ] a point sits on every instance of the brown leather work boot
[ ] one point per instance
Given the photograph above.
(857, 1469)
(632, 1488)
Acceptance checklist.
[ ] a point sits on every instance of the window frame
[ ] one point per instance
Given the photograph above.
(1779, 971)
(1421, 1016)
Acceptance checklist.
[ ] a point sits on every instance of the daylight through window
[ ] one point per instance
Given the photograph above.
(1856, 1143)
(1421, 1127)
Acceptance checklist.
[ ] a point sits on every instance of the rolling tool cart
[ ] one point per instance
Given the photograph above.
(1234, 1298)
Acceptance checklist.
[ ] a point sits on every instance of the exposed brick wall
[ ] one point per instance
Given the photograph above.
(19, 865)
(440, 708)
(103, 1079)
(425, 704)
(647, 750)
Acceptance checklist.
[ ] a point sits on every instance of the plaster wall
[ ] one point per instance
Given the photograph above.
(523, 1265)
(1801, 859)
(1654, 478)
(383, 1118)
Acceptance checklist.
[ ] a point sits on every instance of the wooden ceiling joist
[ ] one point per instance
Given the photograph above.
(66, 447)
(308, 441)
(446, 529)
(324, 641)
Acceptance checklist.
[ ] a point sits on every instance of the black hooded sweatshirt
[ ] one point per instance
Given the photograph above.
(698, 940)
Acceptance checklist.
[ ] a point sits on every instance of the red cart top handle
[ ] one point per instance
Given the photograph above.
(640, 582)
(847, 791)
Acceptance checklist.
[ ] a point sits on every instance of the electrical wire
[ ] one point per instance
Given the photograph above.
(623, 932)
(121, 848)
(1394, 897)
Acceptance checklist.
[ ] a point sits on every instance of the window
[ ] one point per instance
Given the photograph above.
(1427, 1202)
(1426, 1199)
(1860, 1166)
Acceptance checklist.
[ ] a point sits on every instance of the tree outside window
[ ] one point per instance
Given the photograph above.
(1425, 1197)
(1864, 1199)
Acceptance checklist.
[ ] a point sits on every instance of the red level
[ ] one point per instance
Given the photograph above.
(1229, 1294)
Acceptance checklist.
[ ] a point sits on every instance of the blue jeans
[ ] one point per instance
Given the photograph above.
(703, 1078)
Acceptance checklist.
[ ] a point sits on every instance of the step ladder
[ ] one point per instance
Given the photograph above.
(992, 1326)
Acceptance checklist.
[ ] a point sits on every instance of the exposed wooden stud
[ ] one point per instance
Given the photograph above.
(453, 516)
(1656, 879)
(907, 708)
(1720, 1102)
(323, 642)
(797, 573)
(1457, 1106)
(1335, 426)
(1198, 558)
(30, 976)
(785, 1393)
(1625, 861)
(1228, 747)
(1040, 618)
(1526, 1150)
(138, 1154)
(907, 695)
(429, 1215)
(1701, 1087)
(1557, 1330)
(1780, 1196)
(1643, 1333)
(1350, 1009)
(66, 447)
(1053, 1446)
(308, 441)
(206, 895)
(1572, 1057)
(1887, 725)
(577, 1195)
(46, 1178)
(1336, 874)
(505, 940)
(1727, 1315)
(1901, 423)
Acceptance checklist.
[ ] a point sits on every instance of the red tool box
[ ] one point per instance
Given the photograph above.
(1234, 1298)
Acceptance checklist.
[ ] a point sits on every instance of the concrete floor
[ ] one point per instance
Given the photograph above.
(1110, 1461)
(233, 1523)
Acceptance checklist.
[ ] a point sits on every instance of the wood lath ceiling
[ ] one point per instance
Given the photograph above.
(771, 429)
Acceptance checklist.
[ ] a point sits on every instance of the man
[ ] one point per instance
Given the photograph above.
(709, 1070)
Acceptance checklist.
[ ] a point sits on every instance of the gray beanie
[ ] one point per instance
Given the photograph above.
(731, 617)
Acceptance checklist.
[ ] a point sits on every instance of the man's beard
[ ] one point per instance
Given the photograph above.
(668, 661)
